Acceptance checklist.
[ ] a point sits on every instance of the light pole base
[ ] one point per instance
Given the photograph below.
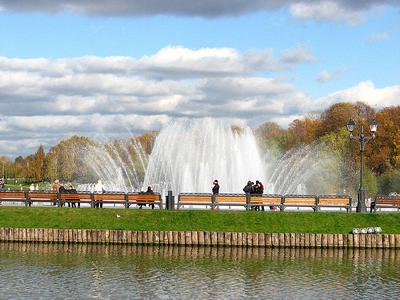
(361, 207)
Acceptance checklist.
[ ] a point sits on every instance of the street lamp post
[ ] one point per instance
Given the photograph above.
(362, 139)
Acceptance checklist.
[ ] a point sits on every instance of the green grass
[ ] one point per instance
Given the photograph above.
(133, 219)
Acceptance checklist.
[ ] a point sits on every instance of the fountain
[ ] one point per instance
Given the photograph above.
(308, 169)
(119, 165)
(189, 154)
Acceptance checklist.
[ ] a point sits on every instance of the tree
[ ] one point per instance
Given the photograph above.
(303, 131)
(389, 183)
(384, 154)
(271, 137)
(66, 160)
(38, 164)
(6, 166)
(51, 165)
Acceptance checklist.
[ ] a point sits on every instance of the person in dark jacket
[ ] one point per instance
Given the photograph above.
(249, 188)
(215, 189)
(259, 190)
(150, 192)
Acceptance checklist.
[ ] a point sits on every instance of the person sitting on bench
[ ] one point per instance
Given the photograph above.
(148, 192)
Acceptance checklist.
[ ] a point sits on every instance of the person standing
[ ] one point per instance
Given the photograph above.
(215, 189)
(259, 190)
(249, 188)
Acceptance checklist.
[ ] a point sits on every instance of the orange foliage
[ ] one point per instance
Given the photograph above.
(303, 131)
(385, 153)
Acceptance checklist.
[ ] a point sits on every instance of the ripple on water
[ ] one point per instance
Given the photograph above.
(113, 272)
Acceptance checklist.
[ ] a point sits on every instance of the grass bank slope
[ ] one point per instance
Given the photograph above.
(240, 221)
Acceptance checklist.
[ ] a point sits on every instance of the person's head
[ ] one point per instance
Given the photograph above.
(249, 182)
(215, 181)
(257, 182)
(149, 188)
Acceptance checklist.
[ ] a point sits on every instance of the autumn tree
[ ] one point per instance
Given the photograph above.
(38, 164)
(336, 117)
(146, 141)
(271, 137)
(303, 131)
(384, 154)
(65, 160)
(7, 167)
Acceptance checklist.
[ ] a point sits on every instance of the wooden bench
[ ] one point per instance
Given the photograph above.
(143, 199)
(42, 197)
(113, 198)
(271, 200)
(385, 202)
(194, 199)
(230, 200)
(75, 198)
(299, 201)
(341, 201)
(13, 196)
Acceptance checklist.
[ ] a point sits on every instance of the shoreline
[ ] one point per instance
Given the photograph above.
(200, 238)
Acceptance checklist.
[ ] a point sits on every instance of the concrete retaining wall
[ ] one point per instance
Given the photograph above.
(307, 240)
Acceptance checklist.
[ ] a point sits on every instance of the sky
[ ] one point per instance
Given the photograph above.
(118, 68)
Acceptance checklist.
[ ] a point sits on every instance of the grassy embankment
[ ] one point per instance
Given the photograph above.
(138, 220)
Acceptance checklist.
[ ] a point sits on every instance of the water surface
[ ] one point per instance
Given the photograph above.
(58, 271)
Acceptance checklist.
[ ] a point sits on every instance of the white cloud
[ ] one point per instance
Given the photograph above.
(296, 55)
(365, 92)
(378, 37)
(43, 100)
(170, 62)
(327, 10)
(325, 76)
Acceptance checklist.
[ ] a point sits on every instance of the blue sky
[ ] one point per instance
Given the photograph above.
(256, 63)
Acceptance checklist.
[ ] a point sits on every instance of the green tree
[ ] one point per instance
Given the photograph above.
(389, 183)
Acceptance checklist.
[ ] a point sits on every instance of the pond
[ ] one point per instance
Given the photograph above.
(49, 271)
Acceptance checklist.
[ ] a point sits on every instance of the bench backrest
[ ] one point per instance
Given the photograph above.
(382, 200)
(266, 199)
(230, 199)
(300, 200)
(195, 198)
(144, 198)
(75, 197)
(334, 200)
(111, 197)
(11, 195)
(51, 196)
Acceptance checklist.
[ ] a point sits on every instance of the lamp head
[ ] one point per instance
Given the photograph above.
(350, 125)
(373, 126)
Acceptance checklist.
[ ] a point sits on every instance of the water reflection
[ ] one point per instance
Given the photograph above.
(136, 272)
